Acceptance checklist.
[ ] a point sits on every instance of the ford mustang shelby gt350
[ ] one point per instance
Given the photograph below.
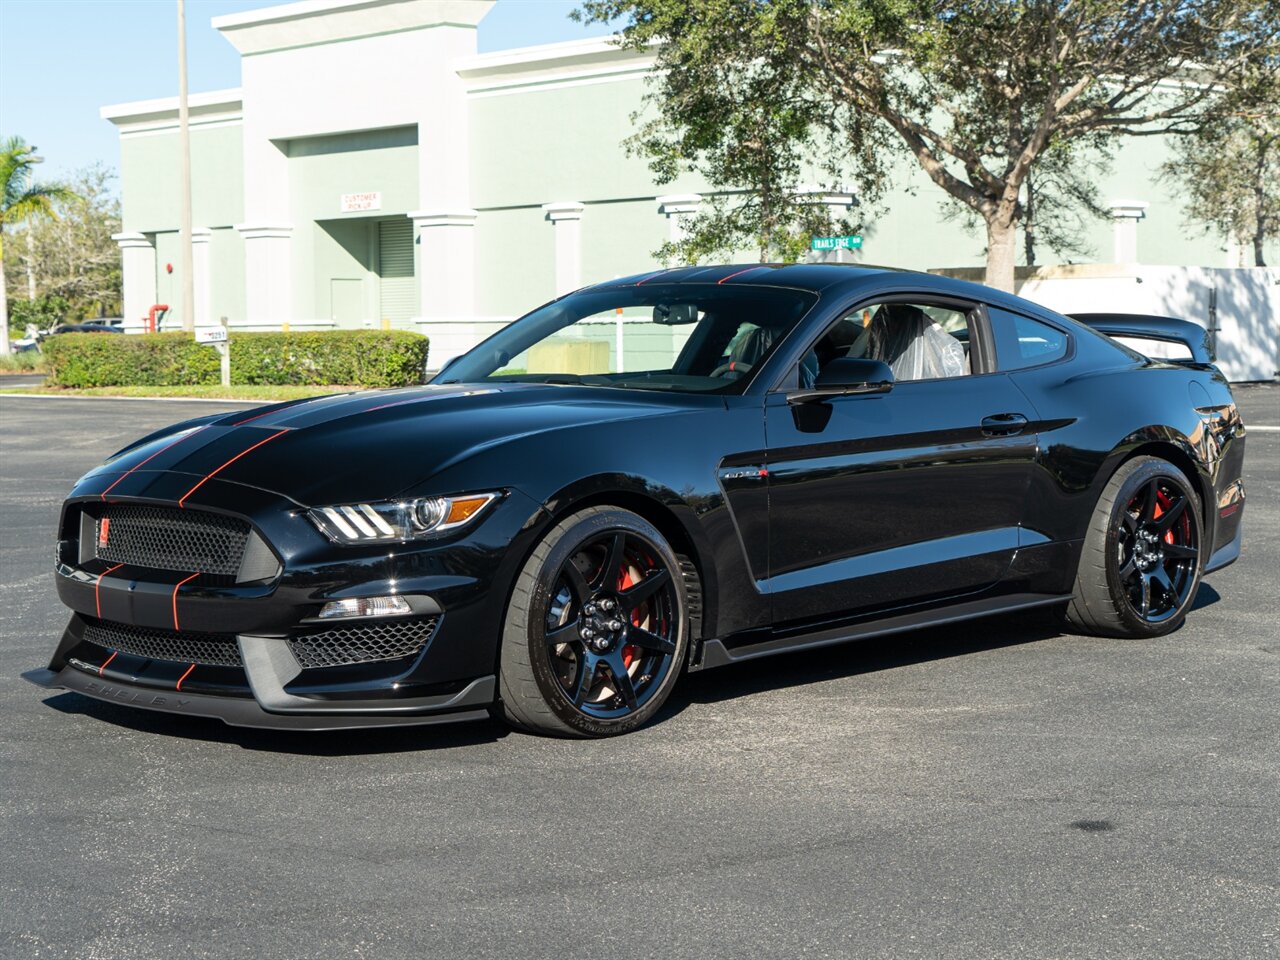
(667, 472)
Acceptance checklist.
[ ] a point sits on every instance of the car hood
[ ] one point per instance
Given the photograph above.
(371, 446)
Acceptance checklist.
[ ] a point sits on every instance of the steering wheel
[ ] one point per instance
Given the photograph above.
(736, 367)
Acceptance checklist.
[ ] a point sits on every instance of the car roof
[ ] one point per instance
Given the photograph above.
(802, 276)
(828, 278)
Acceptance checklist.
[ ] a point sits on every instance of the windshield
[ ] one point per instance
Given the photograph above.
(686, 337)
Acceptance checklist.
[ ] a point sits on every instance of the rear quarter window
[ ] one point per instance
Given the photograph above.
(1022, 342)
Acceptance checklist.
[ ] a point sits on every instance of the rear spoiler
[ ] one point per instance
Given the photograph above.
(1191, 335)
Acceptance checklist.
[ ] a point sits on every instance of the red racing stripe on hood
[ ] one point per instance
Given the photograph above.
(208, 476)
(149, 459)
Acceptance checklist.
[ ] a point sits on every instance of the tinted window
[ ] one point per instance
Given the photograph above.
(919, 341)
(1023, 342)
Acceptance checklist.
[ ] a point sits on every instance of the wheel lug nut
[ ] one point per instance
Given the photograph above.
(587, 633)
(607, 604)
(589, 609)
(615, 624)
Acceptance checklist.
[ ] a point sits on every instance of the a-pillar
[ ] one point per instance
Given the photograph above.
(268, 272)
(679, 209)
(1126, 214)
(446, 281)
(566, 218)
(202, 274)
(138, 272)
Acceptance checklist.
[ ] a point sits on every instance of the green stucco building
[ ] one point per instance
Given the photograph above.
(373, 168)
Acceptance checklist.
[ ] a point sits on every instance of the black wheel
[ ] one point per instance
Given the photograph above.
(1141, 560)
(596, 631)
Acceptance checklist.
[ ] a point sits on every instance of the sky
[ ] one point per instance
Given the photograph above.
(61, 60)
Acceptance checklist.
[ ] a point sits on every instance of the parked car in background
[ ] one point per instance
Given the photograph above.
(89, 327)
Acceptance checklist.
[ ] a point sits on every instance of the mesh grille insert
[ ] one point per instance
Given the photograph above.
(363, 642)
(166, 538)
(212, 649)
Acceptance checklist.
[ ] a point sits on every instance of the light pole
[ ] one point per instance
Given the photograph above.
(184, 140)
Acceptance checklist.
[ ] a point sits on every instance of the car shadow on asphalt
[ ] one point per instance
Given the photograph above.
(874, 654)
(805, 667)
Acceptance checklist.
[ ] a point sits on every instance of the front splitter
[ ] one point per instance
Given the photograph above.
(243, 712)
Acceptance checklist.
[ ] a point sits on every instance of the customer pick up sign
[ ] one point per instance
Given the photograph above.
(356, 202)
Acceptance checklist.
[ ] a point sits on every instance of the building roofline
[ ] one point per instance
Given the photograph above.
(213, 101)
(302, 10)
(538, 52)
(314, 22)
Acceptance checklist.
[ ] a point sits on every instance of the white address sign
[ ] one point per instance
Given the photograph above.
(356, 202)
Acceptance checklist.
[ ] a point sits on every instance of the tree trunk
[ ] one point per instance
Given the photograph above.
(4, 303)
(31, 264)
(1029, 223)
(1002, 236)
(1259, 205)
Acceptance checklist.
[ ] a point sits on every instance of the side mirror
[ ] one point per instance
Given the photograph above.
(846, 376)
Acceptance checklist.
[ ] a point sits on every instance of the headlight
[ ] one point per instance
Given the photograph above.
(402, 520)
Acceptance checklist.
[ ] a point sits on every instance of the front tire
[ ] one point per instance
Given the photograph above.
(597, 627)
(1141, 559)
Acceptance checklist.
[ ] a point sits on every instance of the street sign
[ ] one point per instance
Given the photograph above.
(836, 243)
(213, 335)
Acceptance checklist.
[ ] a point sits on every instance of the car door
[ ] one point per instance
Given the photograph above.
(879, 501)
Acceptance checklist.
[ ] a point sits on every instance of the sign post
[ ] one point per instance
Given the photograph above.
(217, 338)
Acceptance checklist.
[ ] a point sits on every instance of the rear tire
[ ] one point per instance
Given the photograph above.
(1141, 559)
(596, 631)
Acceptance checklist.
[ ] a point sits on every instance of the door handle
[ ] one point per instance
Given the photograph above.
(1003, 424)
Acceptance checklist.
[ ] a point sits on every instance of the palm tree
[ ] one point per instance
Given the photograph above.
(21, 200)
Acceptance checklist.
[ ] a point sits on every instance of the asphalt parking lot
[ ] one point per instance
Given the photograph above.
(996, 789)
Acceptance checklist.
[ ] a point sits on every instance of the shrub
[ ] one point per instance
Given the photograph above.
(364, 358)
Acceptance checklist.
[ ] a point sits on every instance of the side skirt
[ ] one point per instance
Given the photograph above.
(716, 654)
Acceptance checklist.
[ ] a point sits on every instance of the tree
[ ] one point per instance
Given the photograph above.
(975, 91)
(72, 258)
(1229, 171)
(21, 200)
(748, 126)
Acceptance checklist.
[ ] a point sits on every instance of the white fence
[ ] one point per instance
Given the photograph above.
(1240, 305)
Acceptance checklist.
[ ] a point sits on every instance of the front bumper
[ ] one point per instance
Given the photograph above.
(253, 652)
(470, 704)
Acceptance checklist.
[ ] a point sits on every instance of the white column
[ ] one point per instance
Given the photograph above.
(679, 209)
(566, 219)
(446, 264)
(268, 272)
(138, 271)
(1126, 214)
(202, 275)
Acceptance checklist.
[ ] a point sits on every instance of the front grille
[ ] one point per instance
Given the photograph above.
(212, 649)
(363, 642)
(167, 538)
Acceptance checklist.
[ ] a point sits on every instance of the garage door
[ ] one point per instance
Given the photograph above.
(399, 289)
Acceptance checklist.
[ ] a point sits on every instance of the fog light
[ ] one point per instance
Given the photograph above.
(364, 607)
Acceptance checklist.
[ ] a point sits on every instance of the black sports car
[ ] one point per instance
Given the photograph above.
(672, 471)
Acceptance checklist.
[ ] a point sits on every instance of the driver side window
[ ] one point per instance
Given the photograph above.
(919, 341)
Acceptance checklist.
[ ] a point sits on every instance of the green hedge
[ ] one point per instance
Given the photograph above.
(364, 358)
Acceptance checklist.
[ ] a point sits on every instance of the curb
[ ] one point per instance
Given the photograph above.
(37, 396)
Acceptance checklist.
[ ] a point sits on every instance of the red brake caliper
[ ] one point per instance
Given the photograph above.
(628, 650)
(1163, 503)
